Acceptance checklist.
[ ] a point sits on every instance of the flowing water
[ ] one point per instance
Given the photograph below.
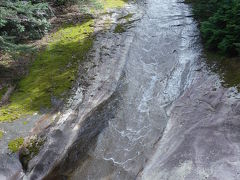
(158, 70)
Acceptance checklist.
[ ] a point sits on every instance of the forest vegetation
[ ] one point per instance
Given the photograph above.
(219, 24)
(21, 21)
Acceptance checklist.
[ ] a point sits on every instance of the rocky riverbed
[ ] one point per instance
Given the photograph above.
(174, 119)
(148, 106)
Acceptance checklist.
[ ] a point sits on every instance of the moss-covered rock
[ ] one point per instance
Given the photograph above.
(14, 145)
(30, 150)
(109, 4)
(127, 17)
(119, 28)
(125, 23)
(1, 134)
(52, 73)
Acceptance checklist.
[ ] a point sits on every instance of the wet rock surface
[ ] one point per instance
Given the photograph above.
(158, 70)
(174, 119)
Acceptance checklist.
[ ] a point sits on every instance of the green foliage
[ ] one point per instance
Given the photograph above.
(219, 24)
(62, 2)
(14, 145)
(20, 21)
(65, 2)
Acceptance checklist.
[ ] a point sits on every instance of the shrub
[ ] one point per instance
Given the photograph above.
(21, 21)
(219, 24)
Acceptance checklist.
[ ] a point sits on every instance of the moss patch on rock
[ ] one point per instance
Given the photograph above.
(30, 150)
(127, 17)
(53, 72)
(1, 134)
(105, 5)
(110, 4)
(119, 29)
(14, 145)
(125, 23)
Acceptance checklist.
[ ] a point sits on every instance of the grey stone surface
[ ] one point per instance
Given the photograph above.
(10, 168)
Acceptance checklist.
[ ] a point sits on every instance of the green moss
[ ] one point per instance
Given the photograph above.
(15, 144)
(52, 73)
(104, 5)
(110, 4)
(127, 17)
(2, 92)
(119, 29)
(1, 134)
